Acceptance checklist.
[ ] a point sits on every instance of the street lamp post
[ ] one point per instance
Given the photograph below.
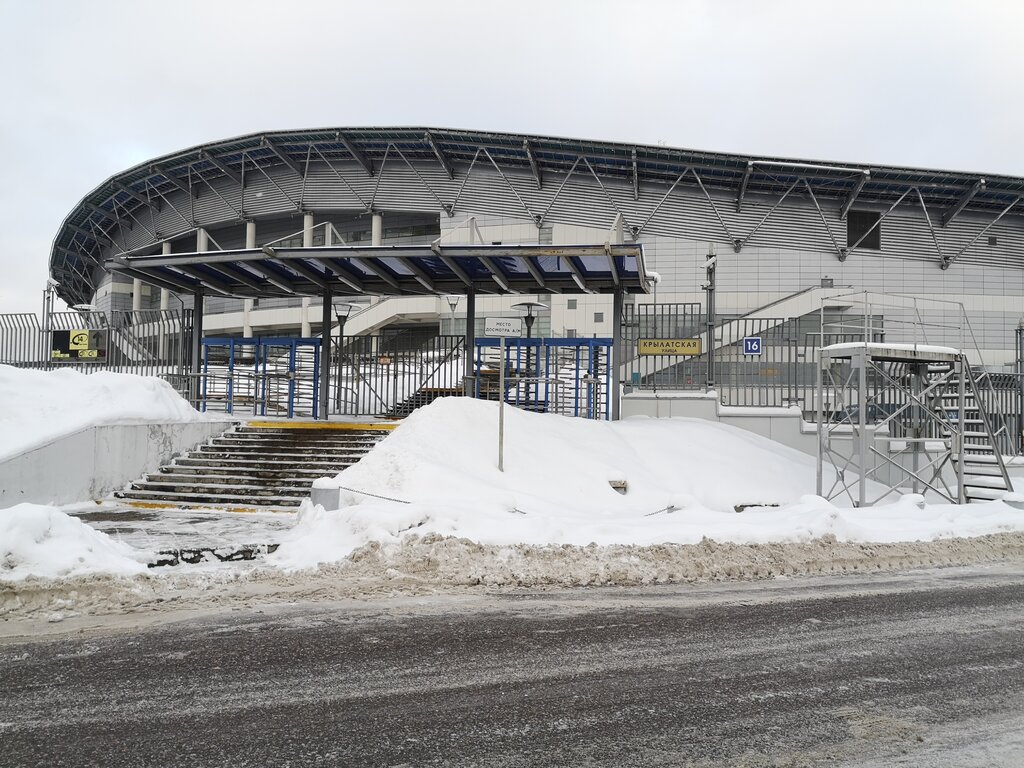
(342, 313)
(709, 287)
(528, 308)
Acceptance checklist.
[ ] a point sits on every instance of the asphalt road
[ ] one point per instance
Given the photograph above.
(918, 669)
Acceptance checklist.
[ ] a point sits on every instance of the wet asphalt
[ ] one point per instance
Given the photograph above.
(925, 668)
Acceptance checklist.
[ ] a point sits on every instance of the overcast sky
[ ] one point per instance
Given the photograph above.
(93, 87)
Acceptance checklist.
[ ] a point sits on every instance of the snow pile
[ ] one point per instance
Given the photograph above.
(40, 406)
(44, 542)
(686, 481)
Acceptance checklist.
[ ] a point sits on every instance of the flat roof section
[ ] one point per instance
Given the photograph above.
(396, 270)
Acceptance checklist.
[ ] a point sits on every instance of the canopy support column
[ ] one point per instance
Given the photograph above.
(197, 346)
(325, 355)
(469, 375)
(618, 302)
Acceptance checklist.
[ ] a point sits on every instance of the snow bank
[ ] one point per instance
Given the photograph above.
(39, 406)
(45, 542)
(686, 481)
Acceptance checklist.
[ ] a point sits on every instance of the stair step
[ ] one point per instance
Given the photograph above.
(985, 481)
(320, 433)
(979, 458)
(982, 470)
(223, 488)
(232, 478)
(984, 494)
(208, 499)
(289, 473)
(306, 435)
(214, 451)
(257, 463)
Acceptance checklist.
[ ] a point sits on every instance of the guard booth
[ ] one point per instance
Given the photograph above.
(436, 269)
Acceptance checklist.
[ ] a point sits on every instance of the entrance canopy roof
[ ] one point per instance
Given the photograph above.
(397, 270)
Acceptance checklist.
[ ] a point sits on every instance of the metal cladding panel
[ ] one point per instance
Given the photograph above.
(324, 189)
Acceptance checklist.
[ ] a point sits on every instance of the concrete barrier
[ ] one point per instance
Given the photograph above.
(95, 461)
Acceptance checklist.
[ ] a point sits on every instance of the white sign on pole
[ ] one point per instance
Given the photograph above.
(503, 327)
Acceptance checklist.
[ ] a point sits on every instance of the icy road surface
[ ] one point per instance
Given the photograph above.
(912, 669)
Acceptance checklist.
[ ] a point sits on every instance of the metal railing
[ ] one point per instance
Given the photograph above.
(146, 342)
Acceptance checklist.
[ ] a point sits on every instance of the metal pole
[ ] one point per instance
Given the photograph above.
(325, 355)
(862, 428)
(469, 376)
(821, 426)
(341, 343)
(1020, 385)
(501, 407)
(711, 316)
(197, 343)
(617, 355)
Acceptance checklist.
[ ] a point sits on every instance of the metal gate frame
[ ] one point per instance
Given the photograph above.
(535, 380)
(261, 376)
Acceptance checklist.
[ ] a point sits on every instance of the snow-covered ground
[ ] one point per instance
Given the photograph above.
(428, 506)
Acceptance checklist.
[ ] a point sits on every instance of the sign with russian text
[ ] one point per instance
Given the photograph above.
(668, 347)
(502, 327)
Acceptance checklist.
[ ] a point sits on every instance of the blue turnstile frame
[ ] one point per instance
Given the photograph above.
(261, 347)
(588, 358)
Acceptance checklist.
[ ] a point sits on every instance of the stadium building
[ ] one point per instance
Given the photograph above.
(420, 228)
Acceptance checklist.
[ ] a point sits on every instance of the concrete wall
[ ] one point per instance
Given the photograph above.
(96, 461)
(783, 425)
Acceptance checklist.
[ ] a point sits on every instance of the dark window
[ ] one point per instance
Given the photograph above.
(993, 240)
(859, 224)
(599, 317)
(570, 333)
(571, 304)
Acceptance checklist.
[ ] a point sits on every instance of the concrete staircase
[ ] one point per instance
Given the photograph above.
(265, 465)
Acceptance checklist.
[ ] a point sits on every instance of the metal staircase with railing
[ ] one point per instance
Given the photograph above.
(978, 459)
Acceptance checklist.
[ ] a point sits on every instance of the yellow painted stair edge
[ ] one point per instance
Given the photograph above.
(326, 425)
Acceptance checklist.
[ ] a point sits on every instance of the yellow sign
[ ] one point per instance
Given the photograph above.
(668, 347)
(78, 339)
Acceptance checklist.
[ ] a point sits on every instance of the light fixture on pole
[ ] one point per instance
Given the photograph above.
(342, 311)
(453, 303)
(528, 307)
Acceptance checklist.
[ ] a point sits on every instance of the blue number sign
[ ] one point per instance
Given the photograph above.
(752, 345)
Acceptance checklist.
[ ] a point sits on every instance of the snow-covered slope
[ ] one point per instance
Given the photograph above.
(685, 480)
(38, 406)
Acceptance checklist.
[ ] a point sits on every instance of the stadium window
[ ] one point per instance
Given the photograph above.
(599, 317)
(570, 304)
(859, 224)
(570, 333)
(993, 240)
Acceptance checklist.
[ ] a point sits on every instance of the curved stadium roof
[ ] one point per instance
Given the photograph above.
(123, 200)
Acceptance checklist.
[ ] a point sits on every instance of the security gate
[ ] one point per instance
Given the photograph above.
(570, 377)
(394, 374)
(262, 376)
